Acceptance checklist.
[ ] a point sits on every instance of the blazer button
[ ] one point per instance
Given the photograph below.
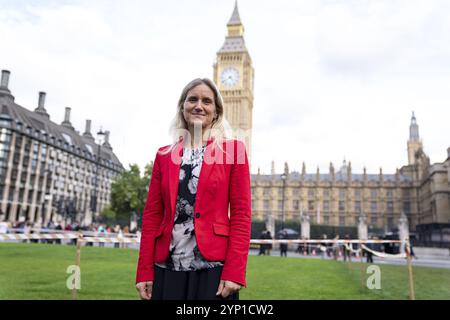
(197, 215)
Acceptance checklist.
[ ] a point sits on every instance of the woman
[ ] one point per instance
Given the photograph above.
(192, 245)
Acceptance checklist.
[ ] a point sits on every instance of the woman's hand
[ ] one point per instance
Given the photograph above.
(145, 289)
(227, 287)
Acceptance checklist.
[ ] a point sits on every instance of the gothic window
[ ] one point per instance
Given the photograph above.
(358, 206)
(326, 206)
(373, 220)
(407, 207)
(373, 206)
(390, 207)
(341, 205)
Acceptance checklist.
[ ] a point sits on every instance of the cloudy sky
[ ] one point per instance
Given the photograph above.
(334, 79)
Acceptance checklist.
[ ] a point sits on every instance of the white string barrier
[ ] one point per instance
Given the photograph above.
(350, 248)
(134, 240)
(260, 241)
(34, 236)
(68, 237)
(109, 240)
(74, 235)
(346, 244)
(85, 233)
(385, 255)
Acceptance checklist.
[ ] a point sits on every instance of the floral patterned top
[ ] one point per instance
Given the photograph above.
(184, 254)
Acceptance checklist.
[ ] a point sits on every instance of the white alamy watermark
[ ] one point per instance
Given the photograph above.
(74, 280)
(374, 280)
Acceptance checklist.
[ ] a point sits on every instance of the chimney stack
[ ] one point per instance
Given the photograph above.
(4, 91)
(106, 143)
(41, 105)
(67, 115)
(41, 100)
(88, 127)
(87, 132)
(66, 123)
(5, 80)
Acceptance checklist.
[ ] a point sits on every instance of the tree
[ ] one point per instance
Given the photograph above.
(129, 192)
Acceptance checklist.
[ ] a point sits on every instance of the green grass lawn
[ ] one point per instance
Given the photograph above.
(38, 271)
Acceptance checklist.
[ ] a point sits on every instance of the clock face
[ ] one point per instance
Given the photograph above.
(229, 77)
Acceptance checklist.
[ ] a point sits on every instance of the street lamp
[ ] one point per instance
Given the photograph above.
(48, 172)
(283, 177)
(45, 202)
(94, 199)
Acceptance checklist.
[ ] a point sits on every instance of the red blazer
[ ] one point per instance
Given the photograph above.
(222, 211)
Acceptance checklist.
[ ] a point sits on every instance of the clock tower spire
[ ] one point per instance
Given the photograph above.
(234, 76)
(414, 142)
(234, 25)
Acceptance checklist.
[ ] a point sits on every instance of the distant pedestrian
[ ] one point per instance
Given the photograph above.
(262, 246)
(335, 248)
(323, 247)
(347, 249)
(411, 251)
(269, 245)
(369, 254)
(283, 246)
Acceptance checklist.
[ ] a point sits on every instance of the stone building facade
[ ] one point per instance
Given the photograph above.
(419, 190)
(49, 171)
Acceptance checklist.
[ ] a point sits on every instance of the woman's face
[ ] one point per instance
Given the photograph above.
(199, 107)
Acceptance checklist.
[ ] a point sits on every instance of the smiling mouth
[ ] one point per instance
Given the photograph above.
(198, 114)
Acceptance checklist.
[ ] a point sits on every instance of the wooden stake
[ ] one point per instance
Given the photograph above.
(77, 262)
(362, 266)
(412, 295)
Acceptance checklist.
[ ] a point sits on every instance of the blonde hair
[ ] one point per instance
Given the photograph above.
(220, 129)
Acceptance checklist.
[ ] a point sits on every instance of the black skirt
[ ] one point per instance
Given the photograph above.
(188, 285)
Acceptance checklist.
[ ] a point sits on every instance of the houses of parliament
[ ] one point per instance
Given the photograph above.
(418, 190)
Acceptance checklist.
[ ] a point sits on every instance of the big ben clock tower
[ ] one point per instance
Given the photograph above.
(234, 75)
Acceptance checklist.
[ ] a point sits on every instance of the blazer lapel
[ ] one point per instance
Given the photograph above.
(205, 172)
(174, 173)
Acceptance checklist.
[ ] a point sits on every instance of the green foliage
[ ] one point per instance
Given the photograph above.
(108, 213)
(128, 193)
